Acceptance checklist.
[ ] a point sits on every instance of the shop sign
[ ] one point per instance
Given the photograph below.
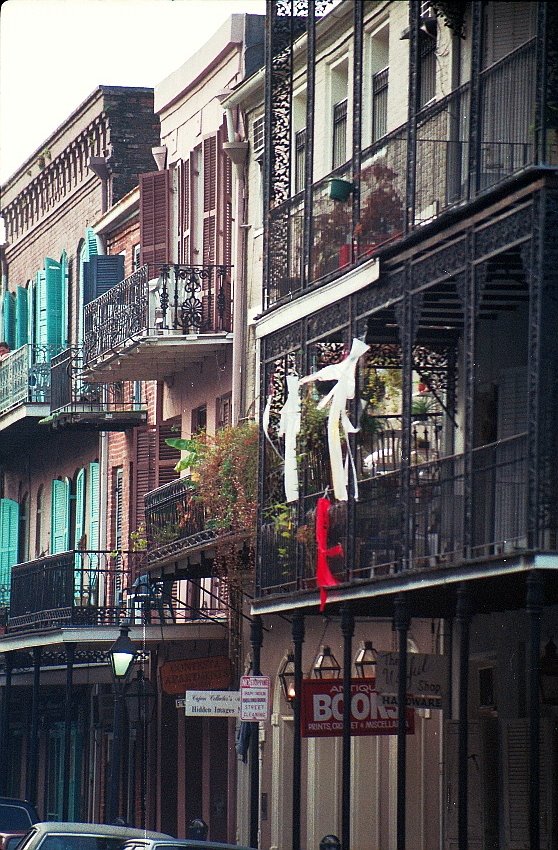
(189, 674)
(212, 703)
(254, 698)
(427, 677)
(322, 710)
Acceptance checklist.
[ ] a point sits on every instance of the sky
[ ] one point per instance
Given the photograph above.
(54, 53)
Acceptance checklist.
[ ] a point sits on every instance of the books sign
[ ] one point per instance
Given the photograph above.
(254, 698)
(322, 710)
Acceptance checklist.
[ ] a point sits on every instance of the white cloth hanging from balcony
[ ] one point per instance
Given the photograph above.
(289, 426)
(344, 375)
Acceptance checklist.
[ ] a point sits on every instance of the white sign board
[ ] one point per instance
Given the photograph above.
(254, 698)
(427, 677)
(212, 704)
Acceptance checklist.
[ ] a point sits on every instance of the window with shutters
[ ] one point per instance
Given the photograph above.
(258, 131)
(427, 68)
(8, 316)
(166, 457)
(93, 487)
(80, 537)
(21, 316)
(339, 83)
(117, 492)
(9, 519)
(184, 208)
(101, 273)
(154, 220)
(39, 515)
(60, 516)
(224, 411)
(23, 539)
(506, 26)
(199, 419)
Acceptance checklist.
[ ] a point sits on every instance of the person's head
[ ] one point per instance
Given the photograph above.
(4, 348)
(197, 829)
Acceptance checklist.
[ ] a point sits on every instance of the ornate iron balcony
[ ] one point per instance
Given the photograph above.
(25, 376)
(99, 588)
(175, 519)
(76, 402)
(182, 301)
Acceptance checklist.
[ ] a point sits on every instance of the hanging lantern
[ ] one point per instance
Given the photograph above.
(365, 661)
(326, 665)
(287, 678)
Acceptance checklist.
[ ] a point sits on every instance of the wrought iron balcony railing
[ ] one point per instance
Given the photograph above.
(175, 519)
(437, 534)
(75, 399)
(446, 172)
(183, 301)
(25, 376)
(90, 588)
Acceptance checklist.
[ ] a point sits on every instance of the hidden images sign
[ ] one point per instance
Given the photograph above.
(322, 710)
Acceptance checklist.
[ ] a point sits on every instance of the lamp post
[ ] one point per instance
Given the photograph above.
(121, 656)
(141, 696)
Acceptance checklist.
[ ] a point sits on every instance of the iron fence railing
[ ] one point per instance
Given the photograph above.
(435, 512)
(175, 512)
(183, 300)
(25, 376)
(70, 393)
(89, 588)
(446, 172)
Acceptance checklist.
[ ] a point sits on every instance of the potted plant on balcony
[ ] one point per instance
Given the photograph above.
(381, 211)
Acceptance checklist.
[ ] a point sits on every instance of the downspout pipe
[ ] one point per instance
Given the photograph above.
(237, 152)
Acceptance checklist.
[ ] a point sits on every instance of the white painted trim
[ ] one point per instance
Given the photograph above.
(353, 281)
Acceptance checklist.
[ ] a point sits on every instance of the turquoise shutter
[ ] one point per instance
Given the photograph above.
(31, 316)
(93, 537)
(60, 517)
(54, 297)
(9, 318)
(21, 316)
(91, 240)
(9, 523)
(80, 507)
(40, 335)
(64, 298)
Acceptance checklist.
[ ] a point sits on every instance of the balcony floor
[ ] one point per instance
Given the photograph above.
(153, 358)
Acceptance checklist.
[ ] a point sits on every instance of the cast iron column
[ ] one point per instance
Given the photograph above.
(31, 784)
(348, 630)
(68, 730)
(298, 640)
(256, 639)
(535, 597)
(401, 620)
(5, 729)
(463, 617)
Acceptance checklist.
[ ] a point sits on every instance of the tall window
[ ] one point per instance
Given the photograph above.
(300, 160)
(427, 48)
(339, 133)
(379, 104)
(39, 521)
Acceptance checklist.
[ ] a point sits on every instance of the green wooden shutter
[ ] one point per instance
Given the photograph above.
(9, 524)
(21, 317)
(64, 298)
(91, 241)
(80, 508)
(60, 517)
(93, 536)
(54, 293)
(9, 318)
(31, 314)
(41, 336)
(102, 273)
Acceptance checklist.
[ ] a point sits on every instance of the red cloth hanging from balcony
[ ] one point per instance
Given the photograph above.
(324, 576)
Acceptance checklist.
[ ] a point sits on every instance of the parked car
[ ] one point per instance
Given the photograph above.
(16, 817)
(53, 835)
(177, 844)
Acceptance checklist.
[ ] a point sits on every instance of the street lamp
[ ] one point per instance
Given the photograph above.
(141, 696)
(121, 656)
(287, 676)
(326, 665)
(365, 661)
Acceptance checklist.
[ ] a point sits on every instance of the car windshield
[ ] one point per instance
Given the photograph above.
(81, 842)
(14, 818)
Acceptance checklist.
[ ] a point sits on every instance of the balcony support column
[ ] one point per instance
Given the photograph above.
(5, 727)
(256, 640)
(298, 640)
(535, 598)
(33, 740)
(401, 622)
(70, 654)
(463, 617)
(348, 630)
